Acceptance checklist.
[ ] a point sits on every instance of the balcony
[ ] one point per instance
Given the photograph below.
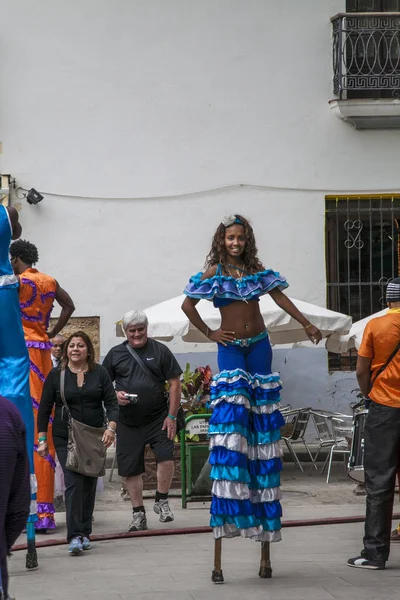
(366, 69)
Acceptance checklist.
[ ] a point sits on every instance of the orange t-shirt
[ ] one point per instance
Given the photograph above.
(380, 338)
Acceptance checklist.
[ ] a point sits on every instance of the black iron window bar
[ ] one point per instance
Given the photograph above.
(362, 256)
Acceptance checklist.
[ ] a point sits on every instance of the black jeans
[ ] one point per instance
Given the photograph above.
(381, 461)
(80, 495)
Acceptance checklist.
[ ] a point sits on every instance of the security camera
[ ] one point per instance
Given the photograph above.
(34, 197)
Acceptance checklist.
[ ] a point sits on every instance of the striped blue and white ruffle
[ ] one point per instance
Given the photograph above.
(33, 505)
(245, 288)
(245, 455)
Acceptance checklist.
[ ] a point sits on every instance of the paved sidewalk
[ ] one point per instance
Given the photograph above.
(310, 562)
(305, 496)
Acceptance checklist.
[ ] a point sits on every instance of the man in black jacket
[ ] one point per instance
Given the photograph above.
(14, 484)
(146, 415)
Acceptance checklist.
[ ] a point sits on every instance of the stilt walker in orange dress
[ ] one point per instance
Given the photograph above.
(37, 293)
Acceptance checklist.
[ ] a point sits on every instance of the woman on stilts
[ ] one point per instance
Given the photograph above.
(245, 425)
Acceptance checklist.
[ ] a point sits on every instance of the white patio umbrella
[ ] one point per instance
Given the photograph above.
(167, 321)
(340, 343)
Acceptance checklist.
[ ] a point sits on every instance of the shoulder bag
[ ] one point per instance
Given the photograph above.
(86, 452)
(180, 417)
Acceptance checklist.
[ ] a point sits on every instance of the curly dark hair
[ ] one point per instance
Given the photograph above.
(217, 254)
(24, 250)
(91, 359)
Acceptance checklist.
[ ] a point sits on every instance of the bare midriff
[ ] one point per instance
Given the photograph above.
(244, 318)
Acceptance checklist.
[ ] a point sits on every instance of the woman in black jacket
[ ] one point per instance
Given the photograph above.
(88, 391)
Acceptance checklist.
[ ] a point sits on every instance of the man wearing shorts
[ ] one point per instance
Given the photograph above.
(147, 415)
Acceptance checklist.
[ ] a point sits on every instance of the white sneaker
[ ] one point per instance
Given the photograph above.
(162, 508)
(139, 521)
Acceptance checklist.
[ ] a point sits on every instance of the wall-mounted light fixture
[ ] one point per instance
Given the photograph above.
(33, 197)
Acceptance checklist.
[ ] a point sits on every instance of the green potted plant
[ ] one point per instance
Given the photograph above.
(195, 392)
(195, 389)
(195, 396)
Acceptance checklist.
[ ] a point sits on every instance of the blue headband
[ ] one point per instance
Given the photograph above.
(232, 220)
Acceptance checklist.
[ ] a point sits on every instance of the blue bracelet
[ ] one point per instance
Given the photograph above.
(171, 417)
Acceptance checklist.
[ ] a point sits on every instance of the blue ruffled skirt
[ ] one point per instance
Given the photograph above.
(246, 455)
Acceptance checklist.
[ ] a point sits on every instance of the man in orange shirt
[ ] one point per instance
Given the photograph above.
(378, 374)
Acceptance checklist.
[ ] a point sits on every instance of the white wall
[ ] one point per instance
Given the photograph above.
(113, 255)
(129, 110)
(145, 98)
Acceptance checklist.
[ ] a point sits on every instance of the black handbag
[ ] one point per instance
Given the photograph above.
(180, 417)
(86, 452)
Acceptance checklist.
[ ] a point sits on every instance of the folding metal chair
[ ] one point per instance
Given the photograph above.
(323, 427)
(342, 434)
(297, 432)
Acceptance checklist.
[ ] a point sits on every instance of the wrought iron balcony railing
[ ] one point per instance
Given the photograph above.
(366, 55)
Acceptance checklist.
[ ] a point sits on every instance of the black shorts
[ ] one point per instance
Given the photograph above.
(131, 443)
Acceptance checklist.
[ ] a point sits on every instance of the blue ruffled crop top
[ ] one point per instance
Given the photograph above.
(224, 290)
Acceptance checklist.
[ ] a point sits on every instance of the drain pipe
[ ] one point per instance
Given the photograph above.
(190, 530)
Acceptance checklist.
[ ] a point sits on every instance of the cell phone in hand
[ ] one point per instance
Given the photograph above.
(132, 398)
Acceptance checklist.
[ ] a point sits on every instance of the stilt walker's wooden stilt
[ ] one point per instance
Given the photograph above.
(265, 564)
(31, 556)
(217, 576)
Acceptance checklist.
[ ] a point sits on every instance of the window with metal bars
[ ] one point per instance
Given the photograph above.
(362, 255)
(373, 6)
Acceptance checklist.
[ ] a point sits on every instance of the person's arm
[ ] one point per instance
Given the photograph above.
(175, 393)
(363, 372)
(108, 364)
(364, 360)
(45, 408)
(67, 308)
(313, 333)
(20, 494)
(111, 406)
(172, 372)
(190, 310)
(15, 224)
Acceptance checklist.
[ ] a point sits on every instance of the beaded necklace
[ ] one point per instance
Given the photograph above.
(237, 279)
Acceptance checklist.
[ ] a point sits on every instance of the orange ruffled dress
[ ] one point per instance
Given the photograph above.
(37, 293)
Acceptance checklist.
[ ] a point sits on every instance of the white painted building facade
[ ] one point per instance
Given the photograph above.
(144, 122)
